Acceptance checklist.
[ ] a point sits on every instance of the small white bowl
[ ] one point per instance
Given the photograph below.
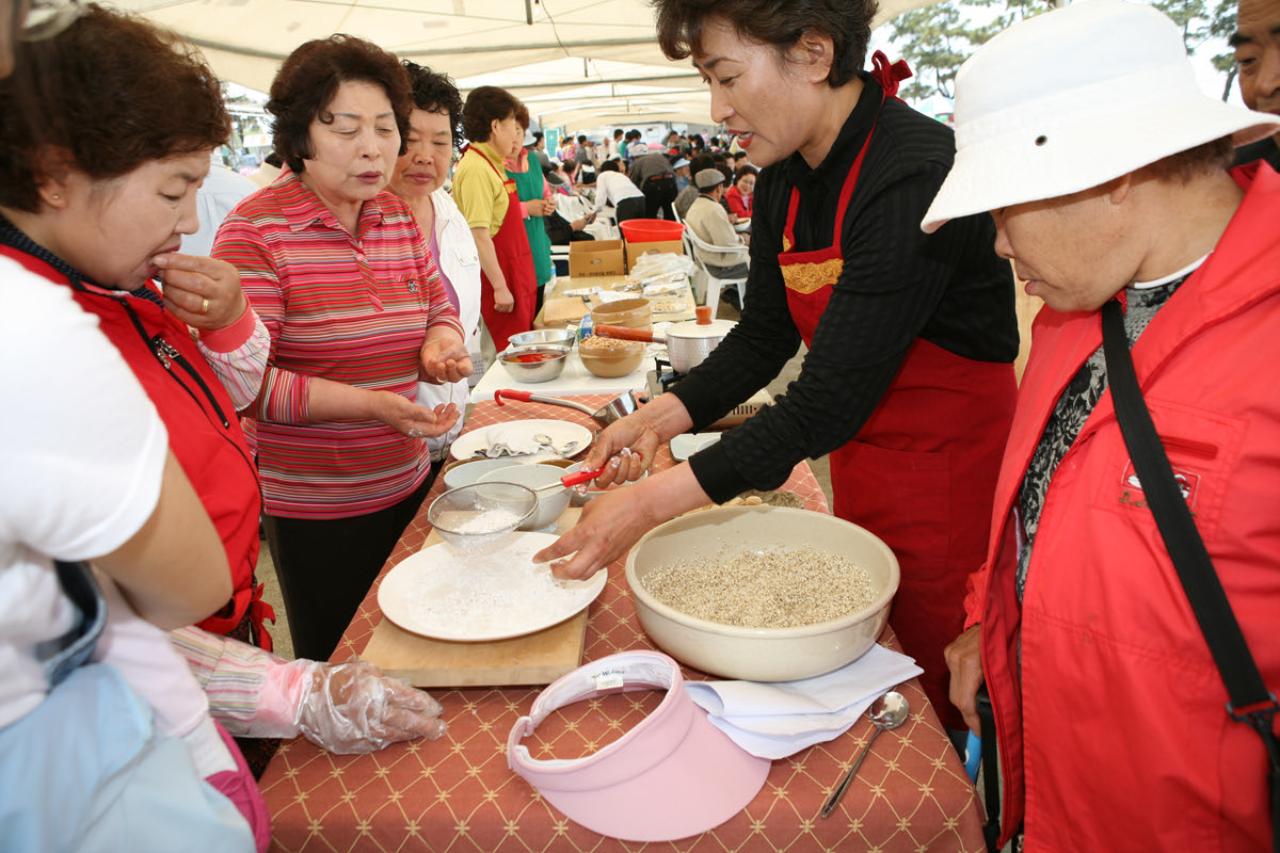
(466, 473)
(551, 503)
(761, 654)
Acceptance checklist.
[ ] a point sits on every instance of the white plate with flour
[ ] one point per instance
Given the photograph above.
(463, 596)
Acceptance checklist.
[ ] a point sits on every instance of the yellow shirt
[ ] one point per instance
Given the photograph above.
(481, 194)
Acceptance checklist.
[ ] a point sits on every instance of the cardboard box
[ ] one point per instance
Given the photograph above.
(635, 250)
(596, 257)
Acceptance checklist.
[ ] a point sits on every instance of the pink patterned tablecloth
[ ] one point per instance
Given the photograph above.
(457, 793)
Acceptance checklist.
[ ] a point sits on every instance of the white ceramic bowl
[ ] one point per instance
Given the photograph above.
(761, 654)
(470, 471)
(551, 503)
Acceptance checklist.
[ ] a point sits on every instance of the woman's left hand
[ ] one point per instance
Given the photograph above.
(202, 292)
(352, 708)
(444, 358)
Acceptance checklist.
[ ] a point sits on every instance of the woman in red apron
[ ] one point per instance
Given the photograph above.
(481, 188)
(908, 383)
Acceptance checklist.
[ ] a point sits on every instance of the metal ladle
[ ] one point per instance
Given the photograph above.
(887, 712)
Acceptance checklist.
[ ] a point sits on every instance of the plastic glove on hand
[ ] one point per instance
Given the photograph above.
(354, 708)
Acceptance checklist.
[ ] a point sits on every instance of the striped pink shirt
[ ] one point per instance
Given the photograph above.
(349, 309)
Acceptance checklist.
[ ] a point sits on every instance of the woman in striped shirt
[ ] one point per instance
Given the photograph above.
(338, 270)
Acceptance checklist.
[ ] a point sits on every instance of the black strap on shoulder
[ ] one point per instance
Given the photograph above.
(990, 769)
(1250, 701)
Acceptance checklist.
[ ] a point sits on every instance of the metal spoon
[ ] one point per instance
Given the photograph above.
(888, 712)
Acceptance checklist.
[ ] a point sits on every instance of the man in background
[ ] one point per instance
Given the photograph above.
(710, 223)
(1257, 45)
(689, 194)
(652, 173)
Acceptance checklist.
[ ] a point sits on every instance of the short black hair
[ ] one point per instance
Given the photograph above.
(114, 91)
(309, 79)
(435, 92)
(582, 139)
(486, 105)
(846, 22)
(609, 166)
(700, 162)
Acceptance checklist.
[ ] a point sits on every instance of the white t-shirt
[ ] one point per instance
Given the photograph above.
(82, 453)
(613, 187)
(459, 261)
(221, 191)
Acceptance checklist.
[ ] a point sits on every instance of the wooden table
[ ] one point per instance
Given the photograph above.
(458, 794)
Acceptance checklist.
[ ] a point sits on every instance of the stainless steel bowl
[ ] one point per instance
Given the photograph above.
(542, 337)
(550, 364)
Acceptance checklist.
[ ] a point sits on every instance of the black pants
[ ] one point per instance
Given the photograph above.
(327, 566)
(632, 207)
(659, 193)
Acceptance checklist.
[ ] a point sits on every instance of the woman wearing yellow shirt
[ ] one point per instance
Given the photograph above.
(488, 200)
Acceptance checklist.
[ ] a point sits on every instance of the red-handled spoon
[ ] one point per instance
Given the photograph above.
(568, 481)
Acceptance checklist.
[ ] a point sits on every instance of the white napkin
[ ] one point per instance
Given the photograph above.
(774, 720)
(509, 440)
(607, 296)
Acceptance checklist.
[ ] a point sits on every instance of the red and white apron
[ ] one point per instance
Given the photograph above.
(515, 259)
(921, 472)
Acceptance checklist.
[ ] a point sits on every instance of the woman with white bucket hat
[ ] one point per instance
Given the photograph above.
(1117, 692)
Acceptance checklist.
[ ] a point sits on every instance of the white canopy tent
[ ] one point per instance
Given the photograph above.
(576, 62)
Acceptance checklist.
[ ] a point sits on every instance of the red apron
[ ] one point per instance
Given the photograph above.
(515, 259)
(921, 472)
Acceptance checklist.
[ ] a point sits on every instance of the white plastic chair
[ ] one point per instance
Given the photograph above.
(714, 283)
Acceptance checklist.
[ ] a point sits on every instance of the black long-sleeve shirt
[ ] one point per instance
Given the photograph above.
(898, 284)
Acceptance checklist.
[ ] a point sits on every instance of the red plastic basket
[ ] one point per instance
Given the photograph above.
(650, 230)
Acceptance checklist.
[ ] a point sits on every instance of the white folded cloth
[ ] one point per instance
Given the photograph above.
(509, 440)
(774, 720)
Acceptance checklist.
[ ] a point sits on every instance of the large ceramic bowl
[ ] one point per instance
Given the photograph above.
(634, 313)
(612, 359)
(761, 654)
(551, 503)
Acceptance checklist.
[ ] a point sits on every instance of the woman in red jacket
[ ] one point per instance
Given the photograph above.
(1111, 185)
(741, 195)
(108, 217)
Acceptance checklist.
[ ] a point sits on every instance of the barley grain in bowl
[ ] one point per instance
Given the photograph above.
(762, 593)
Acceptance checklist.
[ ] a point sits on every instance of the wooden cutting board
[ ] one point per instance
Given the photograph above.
(560, 311)
(532, 659)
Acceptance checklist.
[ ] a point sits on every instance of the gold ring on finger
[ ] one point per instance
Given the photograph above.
(204, 305)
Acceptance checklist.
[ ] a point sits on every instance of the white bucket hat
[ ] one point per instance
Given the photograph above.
(1072, 98)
